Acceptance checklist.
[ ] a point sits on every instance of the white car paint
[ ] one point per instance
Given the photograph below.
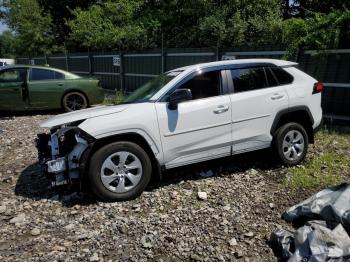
(196, 131)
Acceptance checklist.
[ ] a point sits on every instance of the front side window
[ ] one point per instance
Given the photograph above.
(41, 74)
(248, 79)
(204, 85)
(13, 75)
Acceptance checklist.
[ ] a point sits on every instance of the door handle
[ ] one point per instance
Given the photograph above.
(60, 84)
(277, 96)
(220, 109)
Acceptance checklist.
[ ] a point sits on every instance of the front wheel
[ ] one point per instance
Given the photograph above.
(291, 142)
(119, 171)
(74, 101)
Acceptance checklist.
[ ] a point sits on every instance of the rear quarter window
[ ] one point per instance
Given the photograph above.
(282, 76)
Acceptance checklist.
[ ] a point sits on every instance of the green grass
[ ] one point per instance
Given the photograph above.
(115, 99)
(328, 162)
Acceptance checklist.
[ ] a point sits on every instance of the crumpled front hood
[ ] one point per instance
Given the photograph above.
(82, 115)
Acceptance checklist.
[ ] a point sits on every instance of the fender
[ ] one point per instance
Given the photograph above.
(287, 111)
(157, 168)
(137, 131)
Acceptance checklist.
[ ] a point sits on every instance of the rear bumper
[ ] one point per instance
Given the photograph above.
(318, 127)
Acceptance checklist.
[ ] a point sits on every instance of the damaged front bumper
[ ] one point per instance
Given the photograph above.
(61, 154)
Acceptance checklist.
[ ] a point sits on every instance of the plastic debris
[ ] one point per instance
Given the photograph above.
(324, 236)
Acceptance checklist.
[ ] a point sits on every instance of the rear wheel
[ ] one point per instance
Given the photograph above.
(291, 142)
(74, 101)
(119, 171)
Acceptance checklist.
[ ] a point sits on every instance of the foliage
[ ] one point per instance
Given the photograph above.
(60, 12)
(41, 26)
(115, 99)
(319, 31)
(111, 25)
(7, 44)
(31, 26)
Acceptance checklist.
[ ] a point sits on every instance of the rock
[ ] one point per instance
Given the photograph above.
(249, 234)
(253, 172)
(195, 257)
(238, 254)
(272, 205)
(35, 232)
(146, 241)
(2, 209)
(233, 242)
(54, 198)
(94, 257)
(174, 194)
(208, 173)
(18, 219)
(202, 195)
(69, 227)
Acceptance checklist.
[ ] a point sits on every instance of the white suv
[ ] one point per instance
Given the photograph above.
(184, 116)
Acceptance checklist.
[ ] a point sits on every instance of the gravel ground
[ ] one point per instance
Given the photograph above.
(225, 217)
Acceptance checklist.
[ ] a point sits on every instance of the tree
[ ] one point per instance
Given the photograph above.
(111, 25)
(7, 44)
(31, 26)
(61, 12)
(320, 31)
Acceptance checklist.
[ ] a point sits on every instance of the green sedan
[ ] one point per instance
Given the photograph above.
(25, 87)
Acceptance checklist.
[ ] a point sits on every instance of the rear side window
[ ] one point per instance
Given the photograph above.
(59, 75)
(248, 79)
(282, 76)
(44, 74)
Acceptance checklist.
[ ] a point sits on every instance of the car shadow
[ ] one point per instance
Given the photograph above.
(33, 183)
(259, 160)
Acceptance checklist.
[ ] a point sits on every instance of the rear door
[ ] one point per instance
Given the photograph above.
(12, 83)
(46, 87)
(256, 99)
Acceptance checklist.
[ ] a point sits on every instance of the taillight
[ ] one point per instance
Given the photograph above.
(318, 88)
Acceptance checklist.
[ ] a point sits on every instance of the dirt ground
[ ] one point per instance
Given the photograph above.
(245, 199)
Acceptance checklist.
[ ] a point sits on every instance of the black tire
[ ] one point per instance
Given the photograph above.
(81, 100)
(95, 169)
(282, 149)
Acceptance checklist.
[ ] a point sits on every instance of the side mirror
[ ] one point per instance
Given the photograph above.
(178, 96)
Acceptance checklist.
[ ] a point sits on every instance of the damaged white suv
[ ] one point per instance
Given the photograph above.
(184, 116)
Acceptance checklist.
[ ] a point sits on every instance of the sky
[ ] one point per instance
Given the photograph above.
(2, 27)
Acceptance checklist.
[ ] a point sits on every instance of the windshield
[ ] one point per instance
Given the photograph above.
(146, 91)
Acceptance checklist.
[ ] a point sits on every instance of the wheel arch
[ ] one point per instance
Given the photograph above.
(298, 114)
(130, 137)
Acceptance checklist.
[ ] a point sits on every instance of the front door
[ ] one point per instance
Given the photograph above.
(12, 86)
(198, 129)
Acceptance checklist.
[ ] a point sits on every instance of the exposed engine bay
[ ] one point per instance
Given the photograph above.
(61, 153)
